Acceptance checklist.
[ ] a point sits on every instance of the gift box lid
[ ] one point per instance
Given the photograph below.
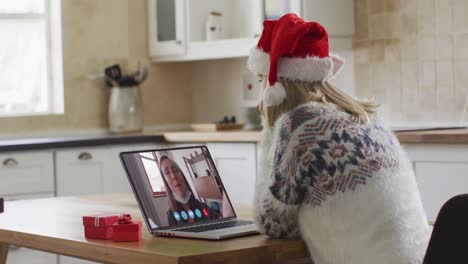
(135, 226)
(100, 220)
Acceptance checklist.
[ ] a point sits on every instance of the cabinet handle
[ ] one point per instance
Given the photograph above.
(85, 156)
(178, 42)
(10, 162)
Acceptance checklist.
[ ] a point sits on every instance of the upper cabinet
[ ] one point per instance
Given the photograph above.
(184, 30)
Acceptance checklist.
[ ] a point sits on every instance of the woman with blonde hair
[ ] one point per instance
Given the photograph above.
(330, 171)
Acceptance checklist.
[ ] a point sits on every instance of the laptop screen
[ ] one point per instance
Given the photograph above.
(177, 186)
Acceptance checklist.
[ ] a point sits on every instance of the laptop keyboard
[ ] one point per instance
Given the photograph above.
(204, 228)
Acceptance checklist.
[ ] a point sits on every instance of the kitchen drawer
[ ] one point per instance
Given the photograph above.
(79, 171)
(17, 255)
(27, 172)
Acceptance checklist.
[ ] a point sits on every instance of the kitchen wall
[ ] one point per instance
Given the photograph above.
(97, 34)
(412, 56)
(217, 84)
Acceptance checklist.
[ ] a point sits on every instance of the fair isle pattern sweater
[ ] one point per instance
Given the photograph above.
(344, 187)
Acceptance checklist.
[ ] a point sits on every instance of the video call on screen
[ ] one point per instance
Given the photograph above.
(178, 186)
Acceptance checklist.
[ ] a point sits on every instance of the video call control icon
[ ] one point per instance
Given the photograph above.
(191, 214)
(198, 213)
(184, 215)
(176, 216)
(205, 211)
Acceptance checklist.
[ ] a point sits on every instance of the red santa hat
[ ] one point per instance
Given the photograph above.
(293, 49)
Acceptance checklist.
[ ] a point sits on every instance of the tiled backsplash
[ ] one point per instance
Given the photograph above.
(412, 57)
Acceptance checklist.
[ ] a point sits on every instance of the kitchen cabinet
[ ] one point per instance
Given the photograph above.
(177, 28)
(93, 170)
(26, 173)
(441, 172)
(17, 255)
(80, 171)
(237, 167)
(167, 27)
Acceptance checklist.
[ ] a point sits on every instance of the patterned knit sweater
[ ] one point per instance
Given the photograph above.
(345, 187)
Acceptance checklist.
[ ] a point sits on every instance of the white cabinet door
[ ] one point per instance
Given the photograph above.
(79, 171)
(114, 178)
(441, 172)
(166, 27)
(18, 255)
(26, 173)
(94, 170)
(236, 164)
(438, 182)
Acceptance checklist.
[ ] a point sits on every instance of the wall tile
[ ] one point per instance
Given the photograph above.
(409, 48)
(460, 17)
(393, 20)
(426, 17)
(392, 5)
(392, 50)
(364, 81)
(461, 74)
(427, 103)
(427, 74)
(461, 46)
(432, 38)
(409, 75)
(360, 7)
(409, 23)
(444, 47)
(362, 27)
(426, 47)
(378, 27)
(445, 73)
(377, 51)
(446, 106)
(376, 6)
(362, 52)
(444, 16)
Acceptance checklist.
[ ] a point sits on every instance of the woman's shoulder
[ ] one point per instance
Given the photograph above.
(309, 114)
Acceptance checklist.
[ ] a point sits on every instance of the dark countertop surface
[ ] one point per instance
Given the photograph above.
(36, 143)
(442, 136)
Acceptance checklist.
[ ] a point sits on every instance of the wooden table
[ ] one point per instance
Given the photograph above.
(55, 225)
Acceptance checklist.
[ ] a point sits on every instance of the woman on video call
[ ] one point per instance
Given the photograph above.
(180, 194)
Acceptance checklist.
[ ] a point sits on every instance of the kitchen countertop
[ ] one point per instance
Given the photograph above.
(81, 141)
(446, 136)
(220, 136)
(456, 136)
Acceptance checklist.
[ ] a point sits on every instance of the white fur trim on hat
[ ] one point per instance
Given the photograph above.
(274, 95)
(308, 69)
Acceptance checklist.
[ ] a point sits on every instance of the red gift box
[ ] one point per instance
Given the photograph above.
(127, 230)
(99, 226)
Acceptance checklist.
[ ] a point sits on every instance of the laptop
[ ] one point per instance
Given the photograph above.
(181, 194)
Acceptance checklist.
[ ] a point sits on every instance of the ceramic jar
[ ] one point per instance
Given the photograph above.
(214, 26)
(125, 110)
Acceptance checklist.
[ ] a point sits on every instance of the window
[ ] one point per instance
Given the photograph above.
(31, 80)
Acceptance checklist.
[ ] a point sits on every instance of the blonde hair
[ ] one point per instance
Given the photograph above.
(299, 92)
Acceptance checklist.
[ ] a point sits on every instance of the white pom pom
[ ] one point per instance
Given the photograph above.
(274, 95)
